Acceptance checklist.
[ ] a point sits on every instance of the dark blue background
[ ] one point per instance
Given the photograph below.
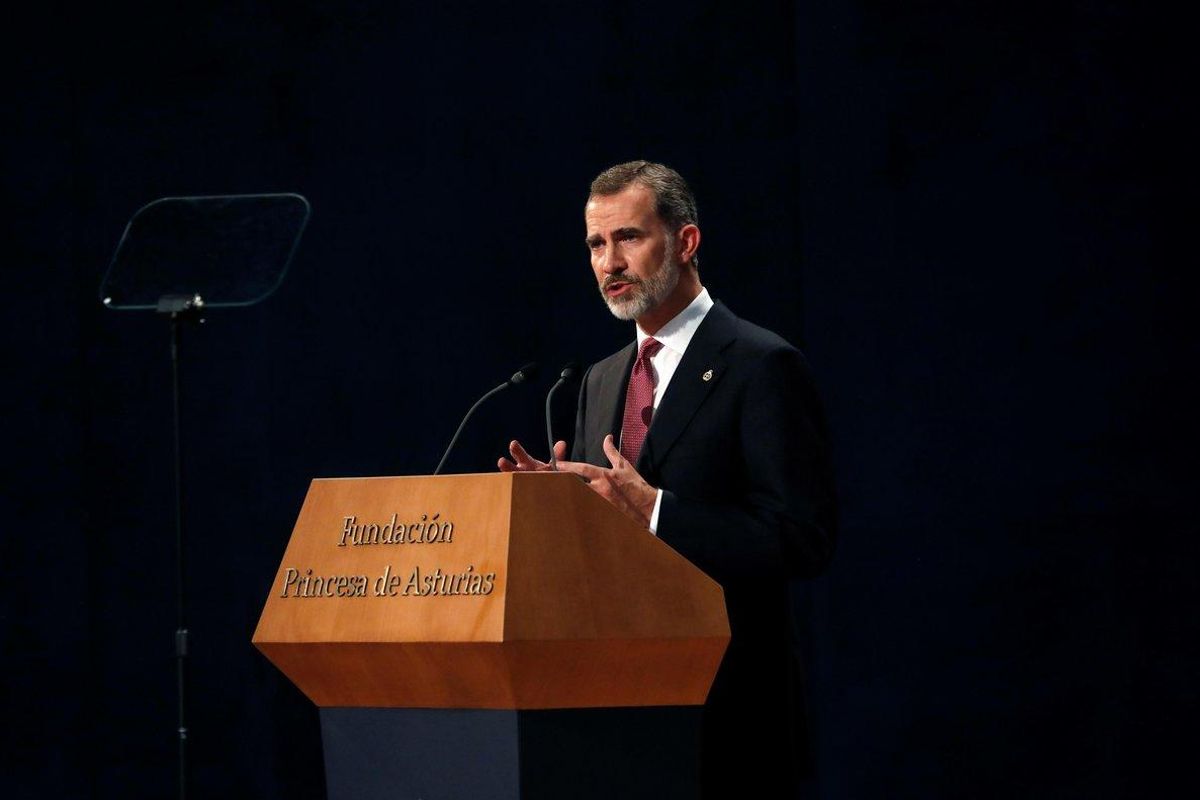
(959, 211)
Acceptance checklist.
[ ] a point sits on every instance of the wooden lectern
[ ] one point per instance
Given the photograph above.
(499, 636)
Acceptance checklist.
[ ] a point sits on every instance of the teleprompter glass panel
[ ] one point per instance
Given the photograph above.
(232, 250)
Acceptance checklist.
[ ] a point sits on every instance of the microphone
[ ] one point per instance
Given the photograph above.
(567, 373)
(520, 376)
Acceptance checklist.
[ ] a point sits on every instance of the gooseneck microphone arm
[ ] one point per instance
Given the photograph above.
(520, 376)
(567, 373)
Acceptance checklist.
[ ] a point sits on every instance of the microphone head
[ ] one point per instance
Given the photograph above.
(569, 370)
(523, 374)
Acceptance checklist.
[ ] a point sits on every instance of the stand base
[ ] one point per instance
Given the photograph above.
(445, 754)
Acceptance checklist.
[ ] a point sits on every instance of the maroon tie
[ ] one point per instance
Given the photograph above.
(639, 402)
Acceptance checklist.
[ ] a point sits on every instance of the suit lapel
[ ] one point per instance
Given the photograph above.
(700, 370)
(610, 404)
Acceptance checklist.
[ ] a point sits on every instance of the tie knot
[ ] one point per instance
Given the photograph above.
(649, 348)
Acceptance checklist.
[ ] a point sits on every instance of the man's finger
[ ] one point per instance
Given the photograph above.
(560, 450)
(522, 458)
(614, 455)
(586, 471)
(594, 477)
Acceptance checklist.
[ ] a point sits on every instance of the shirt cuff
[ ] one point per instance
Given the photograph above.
(654, 514)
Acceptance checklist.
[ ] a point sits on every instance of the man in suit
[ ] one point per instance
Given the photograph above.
(707, 429)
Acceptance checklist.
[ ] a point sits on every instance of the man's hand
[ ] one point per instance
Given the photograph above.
(622, 485)
(523, 462)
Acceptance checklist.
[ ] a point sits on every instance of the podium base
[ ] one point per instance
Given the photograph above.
(447, 754)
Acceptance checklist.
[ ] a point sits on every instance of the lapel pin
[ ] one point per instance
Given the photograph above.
(707, 375)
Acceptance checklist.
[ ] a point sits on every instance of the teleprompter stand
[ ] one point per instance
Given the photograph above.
(179, 257)
(501, 636)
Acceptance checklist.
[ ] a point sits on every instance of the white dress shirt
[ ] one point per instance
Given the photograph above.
(675, 337)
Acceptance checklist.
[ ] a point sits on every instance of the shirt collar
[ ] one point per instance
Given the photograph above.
(678, 333)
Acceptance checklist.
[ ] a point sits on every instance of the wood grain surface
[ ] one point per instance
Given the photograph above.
(585, 608)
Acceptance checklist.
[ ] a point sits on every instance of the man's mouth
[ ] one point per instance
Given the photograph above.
(617, 288)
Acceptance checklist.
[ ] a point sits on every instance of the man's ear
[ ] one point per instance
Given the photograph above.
(689, 242)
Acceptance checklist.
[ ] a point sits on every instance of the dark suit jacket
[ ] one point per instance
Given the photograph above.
(742, 458)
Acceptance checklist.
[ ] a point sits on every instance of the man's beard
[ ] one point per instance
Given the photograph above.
(642, 295)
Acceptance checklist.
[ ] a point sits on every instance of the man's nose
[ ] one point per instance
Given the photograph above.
(613, 261)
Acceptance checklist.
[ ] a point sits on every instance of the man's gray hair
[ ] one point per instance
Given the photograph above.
(673, 200)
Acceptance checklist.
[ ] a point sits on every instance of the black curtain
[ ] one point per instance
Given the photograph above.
(959, 211)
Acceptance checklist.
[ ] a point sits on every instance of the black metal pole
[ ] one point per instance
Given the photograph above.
(181, 633)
